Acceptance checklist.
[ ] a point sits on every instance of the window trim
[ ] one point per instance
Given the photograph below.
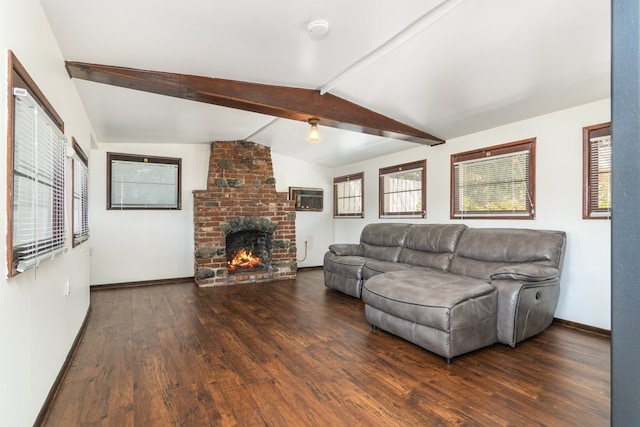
(17, 76)
(589, 132)
(345, 178)
(111, 157)
(496, 150)
(419, 164)
(79, 156)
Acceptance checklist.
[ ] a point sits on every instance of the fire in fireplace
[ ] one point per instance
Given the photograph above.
(244, 259)
(248, 250)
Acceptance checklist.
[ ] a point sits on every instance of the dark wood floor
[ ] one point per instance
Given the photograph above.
(293, 353)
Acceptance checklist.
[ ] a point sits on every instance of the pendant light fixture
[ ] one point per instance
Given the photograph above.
(314, 134)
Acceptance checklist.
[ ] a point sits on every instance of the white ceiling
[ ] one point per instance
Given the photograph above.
(482, 64)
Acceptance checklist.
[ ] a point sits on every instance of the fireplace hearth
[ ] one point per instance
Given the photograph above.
(244, 229)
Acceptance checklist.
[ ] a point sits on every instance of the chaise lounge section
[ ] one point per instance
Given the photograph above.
(448, 288)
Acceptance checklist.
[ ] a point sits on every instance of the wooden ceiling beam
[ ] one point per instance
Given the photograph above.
(278, 101)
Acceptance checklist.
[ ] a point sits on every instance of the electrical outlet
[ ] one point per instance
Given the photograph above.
(67, 288)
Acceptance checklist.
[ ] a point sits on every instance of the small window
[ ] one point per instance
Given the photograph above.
(80, 194)
(142, 182)
(596, 171)
(348, 196)
(36, 217)
(403, 190)
(494, 182)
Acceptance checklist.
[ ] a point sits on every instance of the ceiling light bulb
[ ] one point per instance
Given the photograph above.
(314, 134)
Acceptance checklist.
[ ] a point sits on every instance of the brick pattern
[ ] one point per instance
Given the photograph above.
(240, 184)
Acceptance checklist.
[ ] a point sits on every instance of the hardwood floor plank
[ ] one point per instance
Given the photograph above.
(295, 353)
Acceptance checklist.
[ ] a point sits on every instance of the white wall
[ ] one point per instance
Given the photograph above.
(140, 245)
(37, 322)
(586, 283)
(316, 228)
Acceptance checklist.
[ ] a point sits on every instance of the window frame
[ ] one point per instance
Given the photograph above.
(589, 211)
(524, 145)
(43, 249)
(347, 178)
(383, 213)
(80, 173)
(137, 158)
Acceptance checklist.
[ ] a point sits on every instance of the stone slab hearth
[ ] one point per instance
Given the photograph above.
(241, 196)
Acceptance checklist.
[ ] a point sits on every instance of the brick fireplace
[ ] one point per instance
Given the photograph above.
(241, 203)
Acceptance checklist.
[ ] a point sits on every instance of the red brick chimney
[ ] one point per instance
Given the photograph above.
(241, 196)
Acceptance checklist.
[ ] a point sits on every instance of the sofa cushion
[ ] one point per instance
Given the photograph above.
(428, 297)
(430, 245)
(433, 237)
(383, 241)
(373, 267)
(346, 266)
(482, 251)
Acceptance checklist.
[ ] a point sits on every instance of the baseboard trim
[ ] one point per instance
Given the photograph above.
(582, 327)
(141, 283)
(163, 281)
(44, 411)
(319, 267)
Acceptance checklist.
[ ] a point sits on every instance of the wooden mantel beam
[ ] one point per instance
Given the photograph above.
(278, 101)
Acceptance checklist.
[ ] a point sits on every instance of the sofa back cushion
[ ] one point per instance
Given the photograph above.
(481, 251)
(431, 245)
(383, 241)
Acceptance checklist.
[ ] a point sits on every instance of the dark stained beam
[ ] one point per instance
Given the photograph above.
(278, 101)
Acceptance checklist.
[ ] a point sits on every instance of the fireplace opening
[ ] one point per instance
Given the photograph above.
(248, 250)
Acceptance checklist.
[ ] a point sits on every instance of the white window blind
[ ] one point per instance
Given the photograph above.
(493, 185)
(80, 198)
(38, 230)
(600, 176)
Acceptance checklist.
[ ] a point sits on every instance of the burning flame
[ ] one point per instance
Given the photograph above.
(244, 259)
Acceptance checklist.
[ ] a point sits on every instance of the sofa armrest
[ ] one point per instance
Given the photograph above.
(347, 249)
(525, 308)
(526, 273)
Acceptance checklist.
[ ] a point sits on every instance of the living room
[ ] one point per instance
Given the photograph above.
(44, 309)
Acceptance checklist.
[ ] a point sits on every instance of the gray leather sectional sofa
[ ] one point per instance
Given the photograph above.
(448, 288)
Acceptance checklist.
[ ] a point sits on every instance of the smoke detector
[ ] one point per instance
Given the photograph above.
(318, 30)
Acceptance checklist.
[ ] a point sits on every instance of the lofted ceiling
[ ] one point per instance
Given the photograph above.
(447, 68)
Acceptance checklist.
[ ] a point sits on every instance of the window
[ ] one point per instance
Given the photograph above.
(494, 182)
(348, 196)
(80, 194)
(142, 182)
(403, 190)
(596, 200)
(36, 161)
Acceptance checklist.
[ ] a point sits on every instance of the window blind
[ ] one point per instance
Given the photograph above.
(496, 184)
(38, 230)
(600, 176)
(80, 197)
